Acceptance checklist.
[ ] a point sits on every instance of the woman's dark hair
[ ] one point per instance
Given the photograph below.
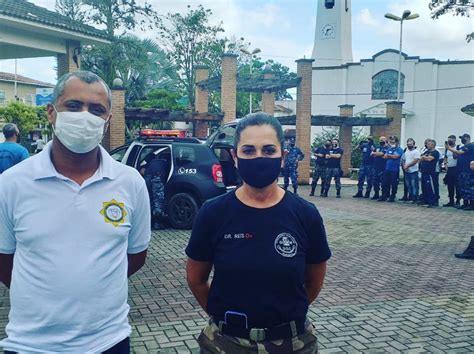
(259, 118)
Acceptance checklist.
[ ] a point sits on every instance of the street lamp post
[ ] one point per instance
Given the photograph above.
(407, 15)
(251, 54)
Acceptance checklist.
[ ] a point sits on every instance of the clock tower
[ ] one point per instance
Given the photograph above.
(333, 36)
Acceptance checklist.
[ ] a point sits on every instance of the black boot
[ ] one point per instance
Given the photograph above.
(470, 205)
(449, 204)
(295, 190)
(358, 195)
(312, 191)
(376, 196)
(469, 252)
(367, 194)
(338, 193)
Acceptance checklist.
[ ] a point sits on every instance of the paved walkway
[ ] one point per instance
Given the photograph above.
(393, 284)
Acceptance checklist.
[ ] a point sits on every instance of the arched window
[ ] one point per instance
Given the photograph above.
(385, 85)
(329, 4)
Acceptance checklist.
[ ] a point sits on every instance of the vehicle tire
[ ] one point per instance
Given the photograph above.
(182, 209)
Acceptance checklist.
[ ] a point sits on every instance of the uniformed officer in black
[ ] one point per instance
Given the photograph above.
(320, 168)
(268, 249)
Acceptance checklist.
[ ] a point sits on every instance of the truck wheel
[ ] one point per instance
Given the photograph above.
(182, 209)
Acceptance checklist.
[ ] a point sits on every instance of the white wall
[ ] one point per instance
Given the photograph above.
(437, 113)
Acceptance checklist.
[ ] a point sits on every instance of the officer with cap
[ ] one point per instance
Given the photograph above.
(366, 171)
(469, 251)
(290, 168)
(11, 152)
(379, 165)
(465, 155)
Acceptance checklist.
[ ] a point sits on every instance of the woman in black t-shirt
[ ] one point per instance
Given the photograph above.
(268, 249)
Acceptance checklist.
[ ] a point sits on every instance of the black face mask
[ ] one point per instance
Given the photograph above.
(382, 143)
(464, 141)
(451, 143)
(327, 145)
(259, 172)
(292, 144)
(334, 145)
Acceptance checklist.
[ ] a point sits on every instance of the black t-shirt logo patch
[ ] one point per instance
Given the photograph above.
(286, 245)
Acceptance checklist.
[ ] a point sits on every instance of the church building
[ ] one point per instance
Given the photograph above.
(433, 91)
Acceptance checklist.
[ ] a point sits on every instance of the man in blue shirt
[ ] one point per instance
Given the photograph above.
(379, 165)
(11, 152)
(366, 170)
(392, 171)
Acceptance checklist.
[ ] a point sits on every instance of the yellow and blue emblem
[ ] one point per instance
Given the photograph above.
(114, 212)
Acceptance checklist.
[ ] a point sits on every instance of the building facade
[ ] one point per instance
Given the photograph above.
(433, 91)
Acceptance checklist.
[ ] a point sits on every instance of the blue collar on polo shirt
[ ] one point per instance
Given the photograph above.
(44, 167)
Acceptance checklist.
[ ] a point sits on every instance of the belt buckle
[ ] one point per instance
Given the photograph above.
(257, 334)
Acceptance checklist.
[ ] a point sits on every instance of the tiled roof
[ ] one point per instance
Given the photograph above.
(25, 10)
(23, 80)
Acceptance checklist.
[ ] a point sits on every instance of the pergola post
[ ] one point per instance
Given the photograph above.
(394, 110)
(345, 137)
(268, 97)
(303, 116)
(71, 60)
(115, 135)
(202, 102)
(229, 86)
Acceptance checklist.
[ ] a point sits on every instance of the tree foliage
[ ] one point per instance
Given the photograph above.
(141, 65)
(72, 9)
(329, 133)
(189, 40)
(27, 118)
(455, 7)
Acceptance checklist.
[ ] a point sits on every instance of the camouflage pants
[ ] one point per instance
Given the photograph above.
(330, 174)
(156, 190)
(319, 172)
(466, 184)
(366, 173)
(378, 179)
(212, 342)
(290, 173)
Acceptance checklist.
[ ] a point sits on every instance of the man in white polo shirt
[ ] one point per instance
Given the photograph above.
(77, 223)
(411, 159)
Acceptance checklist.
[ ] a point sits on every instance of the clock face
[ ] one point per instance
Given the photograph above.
(328, 31)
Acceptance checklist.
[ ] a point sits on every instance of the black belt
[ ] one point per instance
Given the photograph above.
(283, 331)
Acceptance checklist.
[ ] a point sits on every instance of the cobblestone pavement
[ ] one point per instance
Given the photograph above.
(393, 284)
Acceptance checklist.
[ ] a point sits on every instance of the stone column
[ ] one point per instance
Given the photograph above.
(345, 138)
(268, 98)
(394, 110)
(67, 61)
(202, 102)
(303, 116)
(115, 135)
(229, 87)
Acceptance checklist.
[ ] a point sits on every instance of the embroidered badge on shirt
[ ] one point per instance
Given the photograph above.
(114, 212)
(286, 245)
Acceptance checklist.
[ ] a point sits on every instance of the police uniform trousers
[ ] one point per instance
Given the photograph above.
(156, 191)
(366, 173)
(290, 172)
(330, 174)
(466, 184)
(429, 193)
(211, 341)
(390, 184)
(319, 173)
(378, 180)
(451, 180)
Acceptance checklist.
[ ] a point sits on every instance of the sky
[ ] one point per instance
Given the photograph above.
(284, 30)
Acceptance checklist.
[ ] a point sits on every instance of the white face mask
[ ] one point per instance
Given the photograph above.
(79, 132)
